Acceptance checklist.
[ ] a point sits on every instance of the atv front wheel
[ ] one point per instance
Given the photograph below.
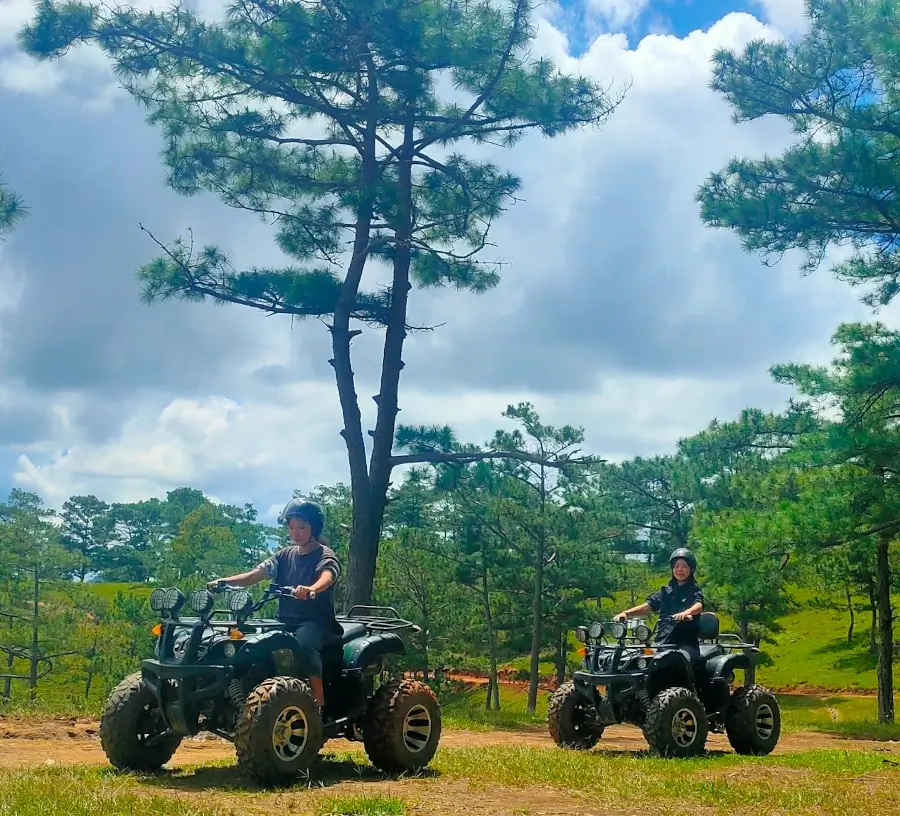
(402, 726)
(753, 721)
(279, 731)
(132, 728)
(676, 724)
(572, 720)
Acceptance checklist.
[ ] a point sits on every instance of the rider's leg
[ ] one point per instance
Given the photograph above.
(310, 634)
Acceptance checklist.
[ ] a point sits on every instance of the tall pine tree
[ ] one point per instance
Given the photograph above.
(335, 119)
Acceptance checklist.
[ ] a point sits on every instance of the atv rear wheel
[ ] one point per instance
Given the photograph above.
(676, 724)
(402, 726)
(279, 731)
(753, 721)
(131, 728)
(572, 720)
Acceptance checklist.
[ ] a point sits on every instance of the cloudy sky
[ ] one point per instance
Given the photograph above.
(618, 311)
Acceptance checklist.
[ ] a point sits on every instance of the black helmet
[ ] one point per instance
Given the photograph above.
(309, 511)
(687, 555)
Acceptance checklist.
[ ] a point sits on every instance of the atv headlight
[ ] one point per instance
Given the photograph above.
(240, 602)
(202, 602)
(581, 634)
(166, 600)
(229, 649)
(618, 630)
(596, 631)
(157, 598)
(642, 632)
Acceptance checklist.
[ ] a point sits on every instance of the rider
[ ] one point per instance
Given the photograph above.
(681, 600)
(312, 568)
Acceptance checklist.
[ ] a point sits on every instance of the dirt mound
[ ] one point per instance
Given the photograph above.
(58, 728)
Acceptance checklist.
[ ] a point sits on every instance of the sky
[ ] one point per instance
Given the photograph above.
(618, 310)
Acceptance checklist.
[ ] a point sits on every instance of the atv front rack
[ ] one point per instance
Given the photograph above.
(373, 617)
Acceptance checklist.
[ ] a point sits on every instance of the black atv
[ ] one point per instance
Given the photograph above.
(675, 696)
(243, 678)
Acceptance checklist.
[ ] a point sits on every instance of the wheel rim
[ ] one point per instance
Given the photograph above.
(765, 721)
(150, 724)
(582, 719)
(417, 729)
(684, 727)
(290, 734)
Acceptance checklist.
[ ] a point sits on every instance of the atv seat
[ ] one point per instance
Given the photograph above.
(708, 626)
(708, 630)
(351, 631)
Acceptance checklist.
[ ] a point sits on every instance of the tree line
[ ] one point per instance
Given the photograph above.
(498, 558)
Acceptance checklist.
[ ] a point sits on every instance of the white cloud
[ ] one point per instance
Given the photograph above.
(610, 267)
(618, 13)
(788, 16)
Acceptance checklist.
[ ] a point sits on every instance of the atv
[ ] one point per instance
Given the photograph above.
(675, 696)
(243, 678)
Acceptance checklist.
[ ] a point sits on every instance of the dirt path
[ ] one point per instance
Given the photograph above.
(29, 742)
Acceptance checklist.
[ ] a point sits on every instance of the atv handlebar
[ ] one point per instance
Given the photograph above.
(273, 590)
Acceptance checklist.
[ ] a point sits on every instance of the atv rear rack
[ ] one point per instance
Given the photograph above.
(729, 641)
(371, 618)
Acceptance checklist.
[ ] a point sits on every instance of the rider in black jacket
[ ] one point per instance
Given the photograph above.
(681, 600)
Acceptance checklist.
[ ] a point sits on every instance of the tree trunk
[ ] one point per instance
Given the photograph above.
(492, 699)
(7, 681)
(885, 667)
(35, 638)
(873, 631)
(537, 615)
(362, 569)
(537, 608)
(561, 655)
(364, 532)
(744, 623)
(425, 645)
(852, 614)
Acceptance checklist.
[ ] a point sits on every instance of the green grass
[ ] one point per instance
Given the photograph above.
(821, 782)
(361, 806)
(465, 709)
(83, 792)
(497, 778)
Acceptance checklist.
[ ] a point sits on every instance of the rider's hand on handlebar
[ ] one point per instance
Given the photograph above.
(620, 617)
(302, 593)
(682, 616)
(214, 586)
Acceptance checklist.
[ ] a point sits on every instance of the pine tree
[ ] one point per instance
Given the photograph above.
(334, 120)
(837, 87)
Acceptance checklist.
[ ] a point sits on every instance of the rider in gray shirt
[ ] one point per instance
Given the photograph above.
(313, 569)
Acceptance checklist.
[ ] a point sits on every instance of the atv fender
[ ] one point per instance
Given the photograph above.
(263, 646)
(361, 652)
(672, 667)
(724, 666)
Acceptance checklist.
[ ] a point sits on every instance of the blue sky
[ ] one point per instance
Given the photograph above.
(678, 17)
(597, 321)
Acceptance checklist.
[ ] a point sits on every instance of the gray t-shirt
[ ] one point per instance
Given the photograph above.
(291, 567)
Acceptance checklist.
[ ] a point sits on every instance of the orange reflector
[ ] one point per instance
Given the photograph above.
(235, 634)
(582, 652)
(156, 631)
(648, 651)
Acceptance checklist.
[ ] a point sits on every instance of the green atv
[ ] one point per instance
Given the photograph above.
(677, 697)
(243, 678)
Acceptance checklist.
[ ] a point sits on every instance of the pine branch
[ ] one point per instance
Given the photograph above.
(467, 458)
